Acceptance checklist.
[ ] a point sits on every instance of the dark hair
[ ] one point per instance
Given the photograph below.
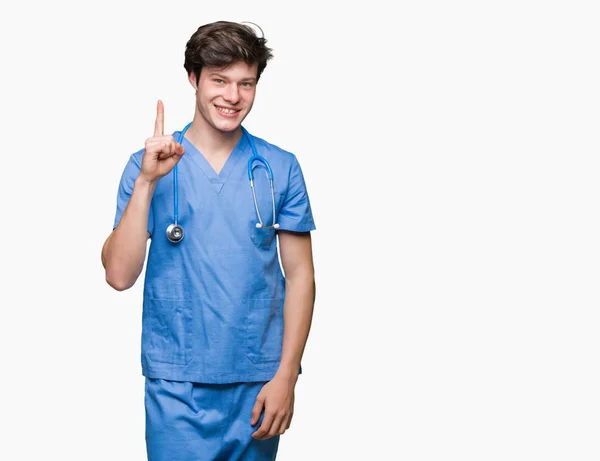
(223, 43)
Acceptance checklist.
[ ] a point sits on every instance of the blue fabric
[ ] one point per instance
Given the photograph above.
(128, 177)
(203, 422)
(213, 303)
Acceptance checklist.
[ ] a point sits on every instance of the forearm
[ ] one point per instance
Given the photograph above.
(124, 252)
(297, 319)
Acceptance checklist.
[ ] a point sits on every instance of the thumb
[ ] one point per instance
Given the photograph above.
(179, 149)
(256, 411)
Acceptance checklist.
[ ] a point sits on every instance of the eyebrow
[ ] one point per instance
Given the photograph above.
(216, 74)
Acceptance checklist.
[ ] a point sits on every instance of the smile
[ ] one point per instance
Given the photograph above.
(225, 110)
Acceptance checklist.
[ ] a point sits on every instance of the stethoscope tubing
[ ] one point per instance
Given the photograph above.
(255, 158)
(176, 179)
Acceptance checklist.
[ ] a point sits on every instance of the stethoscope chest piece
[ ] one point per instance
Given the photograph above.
(175, 233)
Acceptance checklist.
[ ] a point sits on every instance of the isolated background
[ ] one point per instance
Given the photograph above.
(451, 154)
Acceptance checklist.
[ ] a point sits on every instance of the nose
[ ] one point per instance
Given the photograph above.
(232, 93)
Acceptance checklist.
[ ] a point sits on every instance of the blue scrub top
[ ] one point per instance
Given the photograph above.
(213, 303)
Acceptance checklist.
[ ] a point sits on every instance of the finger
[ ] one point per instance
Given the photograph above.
(154, 149)
(257, 410)
(167, 138)
(174, 160)
(177, 154)
(168, 147)
(291, 414)
(265, 427)
(159, 125)
(285, 423)
(166, 150)
(165, 156)
(174, 149)
(277, 425)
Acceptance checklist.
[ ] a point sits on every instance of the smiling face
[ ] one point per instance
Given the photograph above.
(225, 96)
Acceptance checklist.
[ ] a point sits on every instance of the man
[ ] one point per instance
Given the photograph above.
(223, 330)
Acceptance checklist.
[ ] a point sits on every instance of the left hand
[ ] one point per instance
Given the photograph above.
(277, 399)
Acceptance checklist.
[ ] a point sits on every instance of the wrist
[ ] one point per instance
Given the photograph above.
(145, 184)
(288, 372)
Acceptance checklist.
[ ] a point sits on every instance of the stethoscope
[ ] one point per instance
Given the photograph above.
(175, 231)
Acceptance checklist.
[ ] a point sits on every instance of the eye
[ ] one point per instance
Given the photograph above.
(219, 81)
(247, 84)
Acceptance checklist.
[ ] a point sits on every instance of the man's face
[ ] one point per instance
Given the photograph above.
(225, 95)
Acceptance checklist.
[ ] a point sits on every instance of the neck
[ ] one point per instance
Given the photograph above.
(210, 141)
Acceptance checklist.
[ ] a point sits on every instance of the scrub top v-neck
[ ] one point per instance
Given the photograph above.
(220, 178)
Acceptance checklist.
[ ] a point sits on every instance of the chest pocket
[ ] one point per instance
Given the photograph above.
(261, 237)
(264, 236)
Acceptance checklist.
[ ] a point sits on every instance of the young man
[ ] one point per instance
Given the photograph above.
(223, 330)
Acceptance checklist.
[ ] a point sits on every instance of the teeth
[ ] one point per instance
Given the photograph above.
(227, 111)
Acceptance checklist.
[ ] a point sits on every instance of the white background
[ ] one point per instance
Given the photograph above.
(451, 155)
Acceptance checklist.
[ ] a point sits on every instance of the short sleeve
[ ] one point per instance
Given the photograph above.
(296, 214)
(130, 174)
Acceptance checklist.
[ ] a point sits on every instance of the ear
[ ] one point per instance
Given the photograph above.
(192, 80)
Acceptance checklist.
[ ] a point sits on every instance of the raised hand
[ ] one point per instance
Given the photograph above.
(161, 152)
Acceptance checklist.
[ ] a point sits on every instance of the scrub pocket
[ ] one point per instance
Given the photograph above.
(167, 331)
(264, 335)
(261, 237)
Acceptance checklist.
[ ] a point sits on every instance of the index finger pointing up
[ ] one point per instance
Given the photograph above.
(159, 125)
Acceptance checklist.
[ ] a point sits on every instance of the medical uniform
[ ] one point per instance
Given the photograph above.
(212, 323)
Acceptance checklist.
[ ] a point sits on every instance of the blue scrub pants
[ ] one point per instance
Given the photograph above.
(188, 421)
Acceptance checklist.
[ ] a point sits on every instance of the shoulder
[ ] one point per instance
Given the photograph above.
(136, 157)
(274, 152)
(132, 167)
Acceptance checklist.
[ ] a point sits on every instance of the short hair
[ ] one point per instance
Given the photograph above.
(222, 43)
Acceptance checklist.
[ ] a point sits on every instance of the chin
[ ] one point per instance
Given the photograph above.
(228, 126)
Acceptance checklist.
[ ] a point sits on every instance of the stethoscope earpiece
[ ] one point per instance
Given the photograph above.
(260, 226)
